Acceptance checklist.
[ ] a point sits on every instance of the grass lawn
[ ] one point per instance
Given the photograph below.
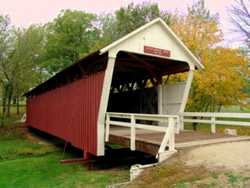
(46, 171)
(25, 163)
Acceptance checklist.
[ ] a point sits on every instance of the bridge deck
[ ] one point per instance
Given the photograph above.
(149, 142)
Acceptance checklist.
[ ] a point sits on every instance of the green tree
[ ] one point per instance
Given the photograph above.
(21, 52)
(6, 41)
(70, 36)
(25, 61)
(127, 19)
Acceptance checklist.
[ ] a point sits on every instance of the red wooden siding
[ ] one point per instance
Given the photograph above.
(69, 112)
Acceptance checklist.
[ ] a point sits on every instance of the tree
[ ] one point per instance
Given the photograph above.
(19, 63)
(223, 80)
(70, 36)
(4, 37)
(6, 41)
(25, 61)
(240, 15)
(221, 83)
(133, 16)
(199, 29)
(127, 19)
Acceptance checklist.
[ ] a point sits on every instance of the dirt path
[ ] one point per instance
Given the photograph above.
(213, 166)
(234, 155)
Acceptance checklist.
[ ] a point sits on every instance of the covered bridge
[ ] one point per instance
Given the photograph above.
(73, 104)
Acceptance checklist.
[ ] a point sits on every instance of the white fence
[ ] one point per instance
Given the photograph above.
(170, 124)
(117, 119)
(239, 119)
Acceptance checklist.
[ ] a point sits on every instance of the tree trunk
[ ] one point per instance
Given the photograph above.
(219, 108)
(3, 106)
(195, 124)
(9, 101)
(17, 106)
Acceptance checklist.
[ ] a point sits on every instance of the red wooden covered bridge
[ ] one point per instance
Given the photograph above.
(124, 77)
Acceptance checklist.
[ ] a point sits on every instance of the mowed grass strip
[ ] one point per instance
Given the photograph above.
(25, 163)
(21, 148)
(46, 171)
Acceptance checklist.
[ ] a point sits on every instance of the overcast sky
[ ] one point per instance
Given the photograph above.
(26, 12)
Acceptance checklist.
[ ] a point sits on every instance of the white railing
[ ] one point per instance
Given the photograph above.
(169, 130)
(241, 119)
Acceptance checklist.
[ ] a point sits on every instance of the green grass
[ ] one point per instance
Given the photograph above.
(235, 108)
(46, 171)
(219, 128)
(21, 148)
(25, 163)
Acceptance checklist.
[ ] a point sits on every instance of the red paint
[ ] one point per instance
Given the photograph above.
(69, 112)
(157, 51)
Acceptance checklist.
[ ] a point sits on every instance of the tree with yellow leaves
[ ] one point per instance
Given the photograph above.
(221, 83)
(224, 78)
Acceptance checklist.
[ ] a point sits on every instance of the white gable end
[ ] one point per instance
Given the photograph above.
(155, 34)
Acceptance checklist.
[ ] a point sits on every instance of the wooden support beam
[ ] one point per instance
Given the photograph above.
(143, 65)
(173, 69)
(77, 160)
(131, 86)
(148, 66)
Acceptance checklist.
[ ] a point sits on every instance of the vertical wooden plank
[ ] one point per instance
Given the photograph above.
(133, 134)
(171, 134)
(160, 101)
(107, 128)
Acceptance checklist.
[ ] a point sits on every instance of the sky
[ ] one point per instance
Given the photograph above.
(26, 12)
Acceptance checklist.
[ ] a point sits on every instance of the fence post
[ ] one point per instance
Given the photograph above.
(213, 128)
(132, 137)
(181, 122)
(171, 134)
(107, 128)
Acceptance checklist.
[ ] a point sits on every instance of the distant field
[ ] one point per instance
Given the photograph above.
(13, 114)
(22, 109)
(219, 128)
(235, 109)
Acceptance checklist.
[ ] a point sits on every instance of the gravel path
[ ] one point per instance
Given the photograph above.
(235, 155)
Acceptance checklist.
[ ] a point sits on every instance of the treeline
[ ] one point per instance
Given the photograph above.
(31, 55)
